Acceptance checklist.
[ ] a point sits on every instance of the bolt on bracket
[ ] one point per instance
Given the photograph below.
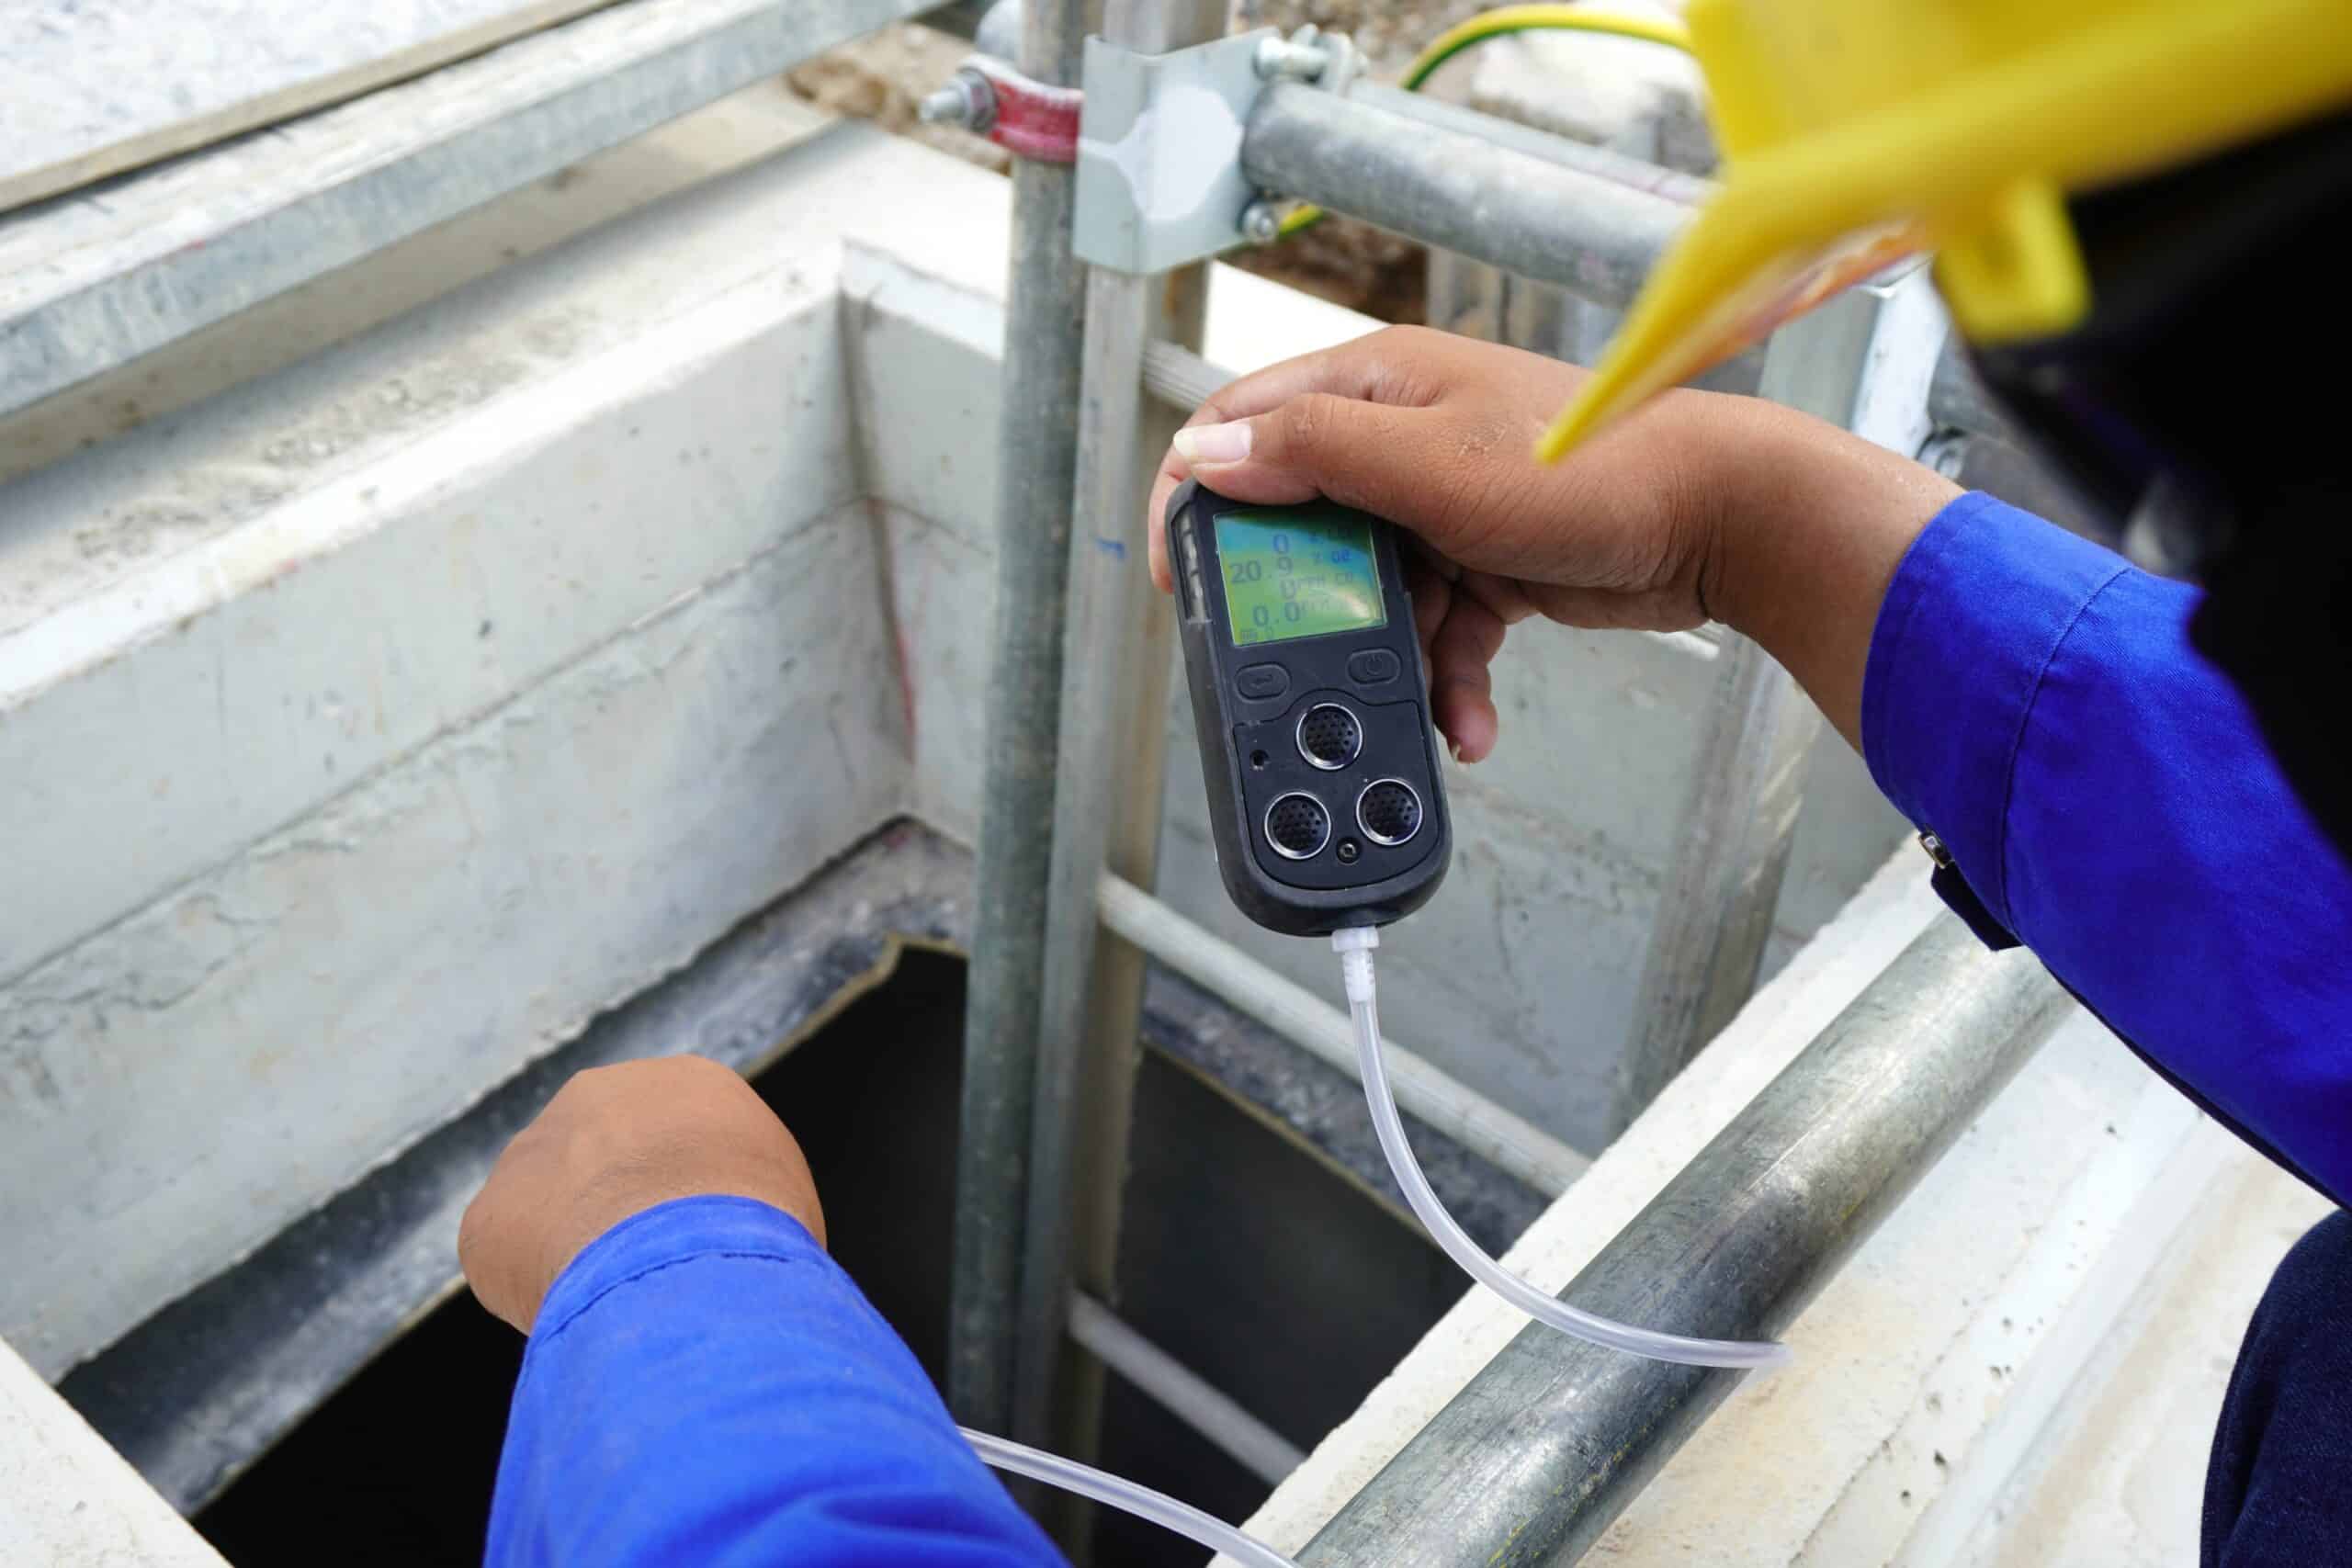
(1159, 181)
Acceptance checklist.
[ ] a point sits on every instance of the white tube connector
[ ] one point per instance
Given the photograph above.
(1354, 945)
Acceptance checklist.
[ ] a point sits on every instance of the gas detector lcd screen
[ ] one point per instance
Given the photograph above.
(1299, 572)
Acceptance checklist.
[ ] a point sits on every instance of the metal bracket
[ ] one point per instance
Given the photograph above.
(1159, 180)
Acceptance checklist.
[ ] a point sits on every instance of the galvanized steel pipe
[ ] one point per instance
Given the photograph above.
(1486, 197)
(1617, 168)
(1037, 446)
(1530, 1462)
(1113, 737)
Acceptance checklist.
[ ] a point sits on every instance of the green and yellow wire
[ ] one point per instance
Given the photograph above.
(1501, 23)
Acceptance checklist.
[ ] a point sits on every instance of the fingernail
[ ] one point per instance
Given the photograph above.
(1214, 443)
(1455, 746)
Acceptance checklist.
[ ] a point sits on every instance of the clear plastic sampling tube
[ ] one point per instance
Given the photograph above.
(1354, 947)
(1141, 1501)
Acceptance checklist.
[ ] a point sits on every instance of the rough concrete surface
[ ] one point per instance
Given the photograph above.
(197, 1391)
(522, 737)
(180, 74)
(262, 1036)
(2116, 1478)
(68, 1501)
(717, 139)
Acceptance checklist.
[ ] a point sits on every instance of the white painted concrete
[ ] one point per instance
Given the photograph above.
(67, 1500)
(1932, 1345)
(181, 1086)
(485, 552)
(98, 88)
(369, 728)
(727, 136)
(2116, 1475)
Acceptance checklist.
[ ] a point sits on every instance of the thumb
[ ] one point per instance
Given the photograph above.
(1359, 453)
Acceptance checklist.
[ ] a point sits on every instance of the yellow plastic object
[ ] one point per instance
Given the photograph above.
(1855, 130)
(1499, 23)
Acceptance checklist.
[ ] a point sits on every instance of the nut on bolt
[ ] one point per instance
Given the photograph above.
(965, 99)
(1298, 58)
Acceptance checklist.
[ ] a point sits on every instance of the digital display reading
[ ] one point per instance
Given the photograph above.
(1301, 573)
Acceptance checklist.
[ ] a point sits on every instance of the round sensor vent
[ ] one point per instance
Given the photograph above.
(1389, 811)
(1297, 826)
(1329, 736)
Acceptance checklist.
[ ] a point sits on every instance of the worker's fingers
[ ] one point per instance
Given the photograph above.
(1381, 367)
(1461, 685)
(1459, 636)
(1172, 470)
(1316, 445)
(1432, 595)
(1406, 366)
(1506, 596)
(1416, 549)
(1376, 456)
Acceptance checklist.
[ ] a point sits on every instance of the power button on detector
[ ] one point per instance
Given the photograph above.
(1372, 666)
(1259, 681)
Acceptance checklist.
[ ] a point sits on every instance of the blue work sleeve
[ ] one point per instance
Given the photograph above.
(705, 1386)
(2034, 702)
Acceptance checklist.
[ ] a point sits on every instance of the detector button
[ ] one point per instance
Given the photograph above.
(1259, 681)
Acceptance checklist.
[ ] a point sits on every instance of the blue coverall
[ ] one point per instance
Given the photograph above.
(705, 1386)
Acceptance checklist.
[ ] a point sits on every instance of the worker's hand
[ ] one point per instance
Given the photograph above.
(613, 1142)
(1699, 506)
(1435, 433)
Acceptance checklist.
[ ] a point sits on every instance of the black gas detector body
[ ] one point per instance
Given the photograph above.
(1325, 800)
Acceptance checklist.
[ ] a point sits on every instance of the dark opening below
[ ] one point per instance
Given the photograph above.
(1258, 1265)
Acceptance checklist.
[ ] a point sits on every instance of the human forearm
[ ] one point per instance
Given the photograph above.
(1811, 523)
(1700, 505)
(703, 1385)
(706, 1388)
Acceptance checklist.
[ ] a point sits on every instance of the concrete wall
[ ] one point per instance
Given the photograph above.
(366, 730)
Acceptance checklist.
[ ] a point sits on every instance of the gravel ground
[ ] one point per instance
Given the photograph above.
(881, 78)
(1390, 32)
